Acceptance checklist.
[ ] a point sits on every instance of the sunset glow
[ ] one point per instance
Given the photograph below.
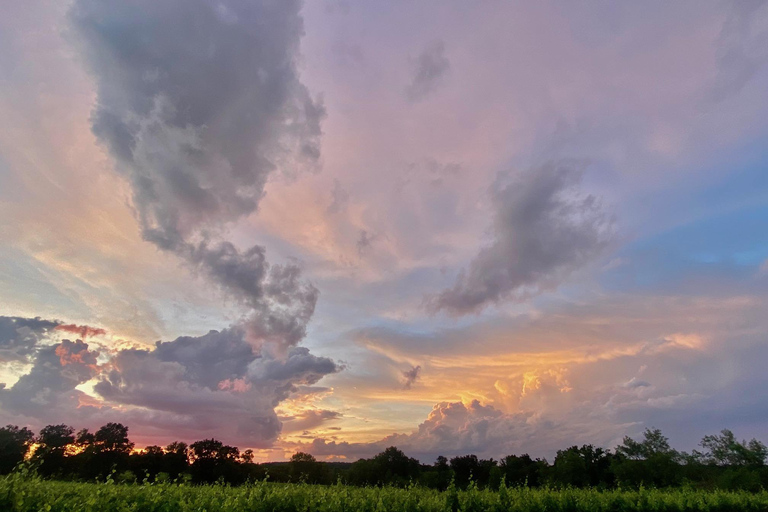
(333, 227)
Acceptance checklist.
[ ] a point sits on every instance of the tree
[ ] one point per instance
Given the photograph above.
(391, 466)
(53, 441)
(213, 449)
(465, 468)
(247, 456)
(212, 460)
(581, 467)
(84, 439)
(177, 447)
(176, 459)
(443, 473)
(522, 470)
(654, 443)
(304, 467)
(155, 451)
(14, 445)
(648, 462)
(56, 438)
(113, 437)
(725, 450)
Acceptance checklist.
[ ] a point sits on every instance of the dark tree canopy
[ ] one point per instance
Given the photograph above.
(113, 437)
(724, 463)
(14, 445)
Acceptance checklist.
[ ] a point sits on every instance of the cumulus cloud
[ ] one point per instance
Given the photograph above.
(48, 392)
(199, 103)
(544, 228)
(429, 71)
(20, 336)
(216, 382)
(456, 428)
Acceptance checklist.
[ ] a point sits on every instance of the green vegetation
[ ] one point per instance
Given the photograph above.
(59, 453)
(21, 492)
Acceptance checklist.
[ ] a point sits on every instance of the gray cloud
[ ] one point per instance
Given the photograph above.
(740, 50)
(48, 392)
(199, 103)
(430, 69)
(308, 420)
(454, 428)
(543, 228)
(634, 382)
(411, 376)
(364, 241)
(20, 336)
(339, 198)
(217, 382)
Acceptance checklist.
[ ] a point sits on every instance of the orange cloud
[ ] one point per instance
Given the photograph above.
(83, 331)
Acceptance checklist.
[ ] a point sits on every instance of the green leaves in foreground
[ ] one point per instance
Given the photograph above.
(23, 493)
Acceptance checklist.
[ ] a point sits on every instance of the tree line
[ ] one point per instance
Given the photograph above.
(57, 451)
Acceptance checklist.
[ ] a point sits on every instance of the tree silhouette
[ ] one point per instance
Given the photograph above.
(14, 445)
(304, 467)
(725, 450)
(113, 437)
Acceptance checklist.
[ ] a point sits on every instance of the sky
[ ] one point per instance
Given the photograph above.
(333, 226)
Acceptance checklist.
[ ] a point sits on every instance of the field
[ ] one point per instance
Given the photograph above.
(26, 494)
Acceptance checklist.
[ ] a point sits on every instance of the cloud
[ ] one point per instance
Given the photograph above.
(84, 331)
(215, 383)
(740, 48)
(281, 303)
(48, 392)
(544, 228)
(411, 376)
(430, 69)
(198, 104)
(310, 419)
(339, 198)
(456, 428)
(634, 382)
(20, 336)
(365, 241)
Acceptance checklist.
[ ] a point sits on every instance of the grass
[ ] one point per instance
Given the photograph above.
(25, 493)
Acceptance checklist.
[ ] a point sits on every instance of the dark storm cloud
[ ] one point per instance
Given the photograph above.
(198, 103)
(411, 376)
(543, 230)
(429, 71)
(20, 336)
